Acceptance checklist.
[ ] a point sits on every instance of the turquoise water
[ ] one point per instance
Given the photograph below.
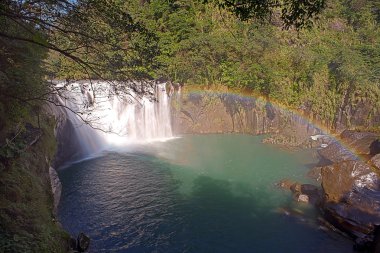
(198, 193)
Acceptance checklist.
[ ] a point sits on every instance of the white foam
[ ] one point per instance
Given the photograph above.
(117, 120)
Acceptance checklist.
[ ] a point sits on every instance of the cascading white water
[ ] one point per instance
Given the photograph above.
(116, 119)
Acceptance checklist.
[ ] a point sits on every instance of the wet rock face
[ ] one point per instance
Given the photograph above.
(307, 193)
(228, 113)
(340, 179)
(356, 113)
(351, 197)
(68, 143)
(209, 113)
(375, 163)
(83, 242)
(335, 153)
(56, 187)
(315, 173)
(362, 143)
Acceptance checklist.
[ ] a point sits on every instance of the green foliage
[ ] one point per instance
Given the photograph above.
(26, 215)
(322, 68)
(296, 13)
(11, 150)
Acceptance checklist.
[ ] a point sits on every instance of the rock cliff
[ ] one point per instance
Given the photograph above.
(228, 113)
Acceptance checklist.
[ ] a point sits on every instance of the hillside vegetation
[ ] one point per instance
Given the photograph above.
(327, 64)
(324, 69)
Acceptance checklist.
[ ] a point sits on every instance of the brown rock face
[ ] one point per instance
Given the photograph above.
(363, 143)
(352, 197)
(227, 113)
(375, 163)
(335, 153)
(339, 179)
(315, 173)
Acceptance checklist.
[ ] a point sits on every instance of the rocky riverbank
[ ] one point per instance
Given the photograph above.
(349, 168)
(351, 187)
(349, 193)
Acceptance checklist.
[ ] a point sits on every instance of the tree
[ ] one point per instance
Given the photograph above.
(297, 13)
(86, 39)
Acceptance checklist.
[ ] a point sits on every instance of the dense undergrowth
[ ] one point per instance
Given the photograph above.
(27, 223)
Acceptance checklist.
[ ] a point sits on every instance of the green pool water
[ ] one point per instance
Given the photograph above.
(197, 193)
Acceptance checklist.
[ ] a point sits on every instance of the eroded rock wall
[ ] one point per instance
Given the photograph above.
(228, 113)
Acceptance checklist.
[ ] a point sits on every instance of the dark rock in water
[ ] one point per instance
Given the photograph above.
(301, 192)
(376, 241)
(72, 244)
(351, 197)
(309, 189)
(296, 188)
(285, 184)
(83, 242)
(303, 198)
(362, 244)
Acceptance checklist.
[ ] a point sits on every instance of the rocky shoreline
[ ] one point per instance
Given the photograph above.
(349, 194)
(348, 172)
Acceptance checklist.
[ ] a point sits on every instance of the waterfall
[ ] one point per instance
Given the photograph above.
(114, 114)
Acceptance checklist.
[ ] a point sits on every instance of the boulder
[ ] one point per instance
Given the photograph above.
(375, 163)
(72, 243)
(303, 198)
(83, 242)
(340, 179)
(301, 192)
(285, 184)
(296, 188)
(362, 143)
(309, 189)
(315, 173)
(313, 193)
(335, 153)
(350, 136)
(351, 197)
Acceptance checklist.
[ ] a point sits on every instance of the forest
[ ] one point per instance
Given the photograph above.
(318, 56)
(318, 63)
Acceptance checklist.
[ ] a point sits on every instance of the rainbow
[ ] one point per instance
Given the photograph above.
(318, 124)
